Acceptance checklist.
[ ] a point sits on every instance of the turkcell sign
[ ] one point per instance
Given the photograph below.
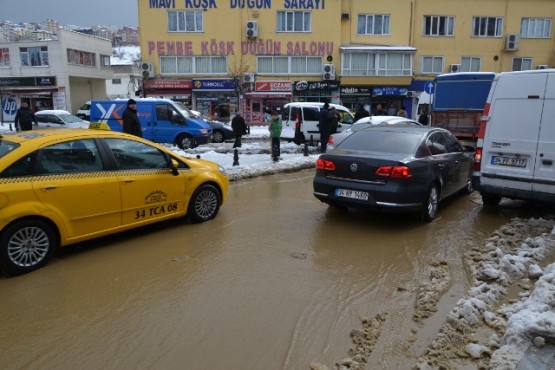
(226, 84)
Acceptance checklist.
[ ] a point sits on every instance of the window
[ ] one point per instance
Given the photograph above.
(522, 64)
(376, 64)
(432, 65)
(4, 57)
(487, 26)
(186, 21)
(104, 61)
(373, 24)
(193, 65)
(116, 81)
(289, 65)
(470, 64)
(69, 157)
(34, 57)
(538, 28)
(439, 26)
(83, 58)
(293, 22)
(134, 155)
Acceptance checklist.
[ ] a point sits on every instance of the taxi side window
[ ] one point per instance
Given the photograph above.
(23, 167)
(69, 157)
(134, 155)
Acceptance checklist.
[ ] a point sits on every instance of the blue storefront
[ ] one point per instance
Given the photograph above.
(215, 98)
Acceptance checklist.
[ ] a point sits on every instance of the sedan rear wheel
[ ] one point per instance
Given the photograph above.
(204, 204)
(26, 246)
(430, 210)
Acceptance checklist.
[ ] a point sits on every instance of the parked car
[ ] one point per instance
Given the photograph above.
(59, 119)
(515, 155)
(221, 131)
(84, 111)
(60, 187)
(336, 138)
(396, 168)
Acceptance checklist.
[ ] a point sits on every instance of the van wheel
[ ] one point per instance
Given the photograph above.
(217, 136)
(185, 142)
(429, 211)
(491, 199)
(26, 246)
(204, 204)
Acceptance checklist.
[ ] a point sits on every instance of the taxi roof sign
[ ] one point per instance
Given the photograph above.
(99, 126)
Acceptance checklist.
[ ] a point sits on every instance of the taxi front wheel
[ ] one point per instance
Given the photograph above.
(204, 204)
(26, 246)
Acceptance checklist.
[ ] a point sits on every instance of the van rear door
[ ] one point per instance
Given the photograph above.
(511, 137)
(544, 173)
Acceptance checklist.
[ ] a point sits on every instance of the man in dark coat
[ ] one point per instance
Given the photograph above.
(239, 129)
(24, 118)
(361, 113)
(324, 126)
(131, 123)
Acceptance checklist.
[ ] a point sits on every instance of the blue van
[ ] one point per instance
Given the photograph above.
(162, 121)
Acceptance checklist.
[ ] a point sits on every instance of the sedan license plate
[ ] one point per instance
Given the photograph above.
(353, 194)
(508, 161)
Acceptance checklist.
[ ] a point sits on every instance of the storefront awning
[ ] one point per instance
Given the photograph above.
(265, 94)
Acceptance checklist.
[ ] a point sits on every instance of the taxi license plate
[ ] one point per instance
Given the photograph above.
(508, 161)
(360, 195)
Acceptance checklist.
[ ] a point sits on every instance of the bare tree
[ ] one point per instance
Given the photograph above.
(237, 69)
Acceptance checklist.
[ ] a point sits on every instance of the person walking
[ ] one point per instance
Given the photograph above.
(361, 113)
(402, 112)
(380, 111)
(24, 117)
(324, 126)
(275, 126)
(131, 123)
(333, 116)
(239, 127)
(423, 119)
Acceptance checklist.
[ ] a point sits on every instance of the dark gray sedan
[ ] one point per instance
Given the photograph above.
(396, 168)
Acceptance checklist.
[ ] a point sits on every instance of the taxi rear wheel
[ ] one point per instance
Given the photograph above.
(26, 246)
(204, 204)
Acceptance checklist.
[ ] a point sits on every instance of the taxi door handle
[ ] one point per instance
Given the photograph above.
(49, 187)
(128, 180)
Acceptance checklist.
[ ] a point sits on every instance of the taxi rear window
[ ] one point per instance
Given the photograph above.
(6, 147)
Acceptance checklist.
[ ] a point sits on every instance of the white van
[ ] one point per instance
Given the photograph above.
(84, 111)
(309, 114)
(515, 155)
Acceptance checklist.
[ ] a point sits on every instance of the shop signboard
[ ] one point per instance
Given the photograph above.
(41, 81)
(273, 85)
(389, 91)
(317, 85)
(214, 85)
(59, 100)
(168, 84)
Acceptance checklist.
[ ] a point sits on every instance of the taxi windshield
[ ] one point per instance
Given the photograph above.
(6, 147)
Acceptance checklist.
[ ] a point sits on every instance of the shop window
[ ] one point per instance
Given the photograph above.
(116, 81)
(4, 57)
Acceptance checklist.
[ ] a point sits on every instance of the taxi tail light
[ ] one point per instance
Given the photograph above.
(477, 159)
(394, 172)
(324, 164)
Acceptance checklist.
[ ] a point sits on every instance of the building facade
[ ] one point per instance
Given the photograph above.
(126, 81)
(255, 55)
(59, 72)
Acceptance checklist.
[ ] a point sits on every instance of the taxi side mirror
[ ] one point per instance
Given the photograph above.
(174, 164)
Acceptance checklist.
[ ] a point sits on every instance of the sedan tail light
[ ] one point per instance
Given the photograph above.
(394, 172)
(323, 164)
(477, 159)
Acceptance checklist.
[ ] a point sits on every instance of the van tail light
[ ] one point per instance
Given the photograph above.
(324, 164)
(477, 159)
(298, 122)
(394, 172)
(484, 121)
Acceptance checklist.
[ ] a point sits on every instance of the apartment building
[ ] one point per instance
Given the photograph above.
(53, 71)
(351, 52)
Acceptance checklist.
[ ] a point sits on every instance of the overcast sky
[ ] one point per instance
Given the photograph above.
(79, 12)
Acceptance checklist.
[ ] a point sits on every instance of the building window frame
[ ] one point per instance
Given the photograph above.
(189, 65)
(535, 28)
(438, 25)
(289, 65)
(4, 57)
(34, 56)
(116, 81)
(105, 61)
(81, 58)
(294, 21)
(374, 24)
(522, 64)
(471, 64)
(186, 21)
(376, 64)
(487, 26)
(436, 62)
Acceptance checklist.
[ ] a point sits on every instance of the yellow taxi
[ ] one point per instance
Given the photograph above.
(59, 187)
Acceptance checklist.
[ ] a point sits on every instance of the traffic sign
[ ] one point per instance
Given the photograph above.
(429, 87)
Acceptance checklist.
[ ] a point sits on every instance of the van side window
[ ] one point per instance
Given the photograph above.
(294, 112)
(162, 112)
(311, 114)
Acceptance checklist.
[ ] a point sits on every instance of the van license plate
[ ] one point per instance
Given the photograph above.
(360, 195)
(508, 161)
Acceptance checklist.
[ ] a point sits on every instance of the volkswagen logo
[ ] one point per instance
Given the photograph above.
(354, 167)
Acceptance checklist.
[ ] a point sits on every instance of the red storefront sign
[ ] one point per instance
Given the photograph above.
(168, 84)
(273, 86)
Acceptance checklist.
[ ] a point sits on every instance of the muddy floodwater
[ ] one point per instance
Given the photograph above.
(277, 281)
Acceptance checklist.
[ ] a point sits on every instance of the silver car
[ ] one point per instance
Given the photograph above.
(59, 119)
(335, 139)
